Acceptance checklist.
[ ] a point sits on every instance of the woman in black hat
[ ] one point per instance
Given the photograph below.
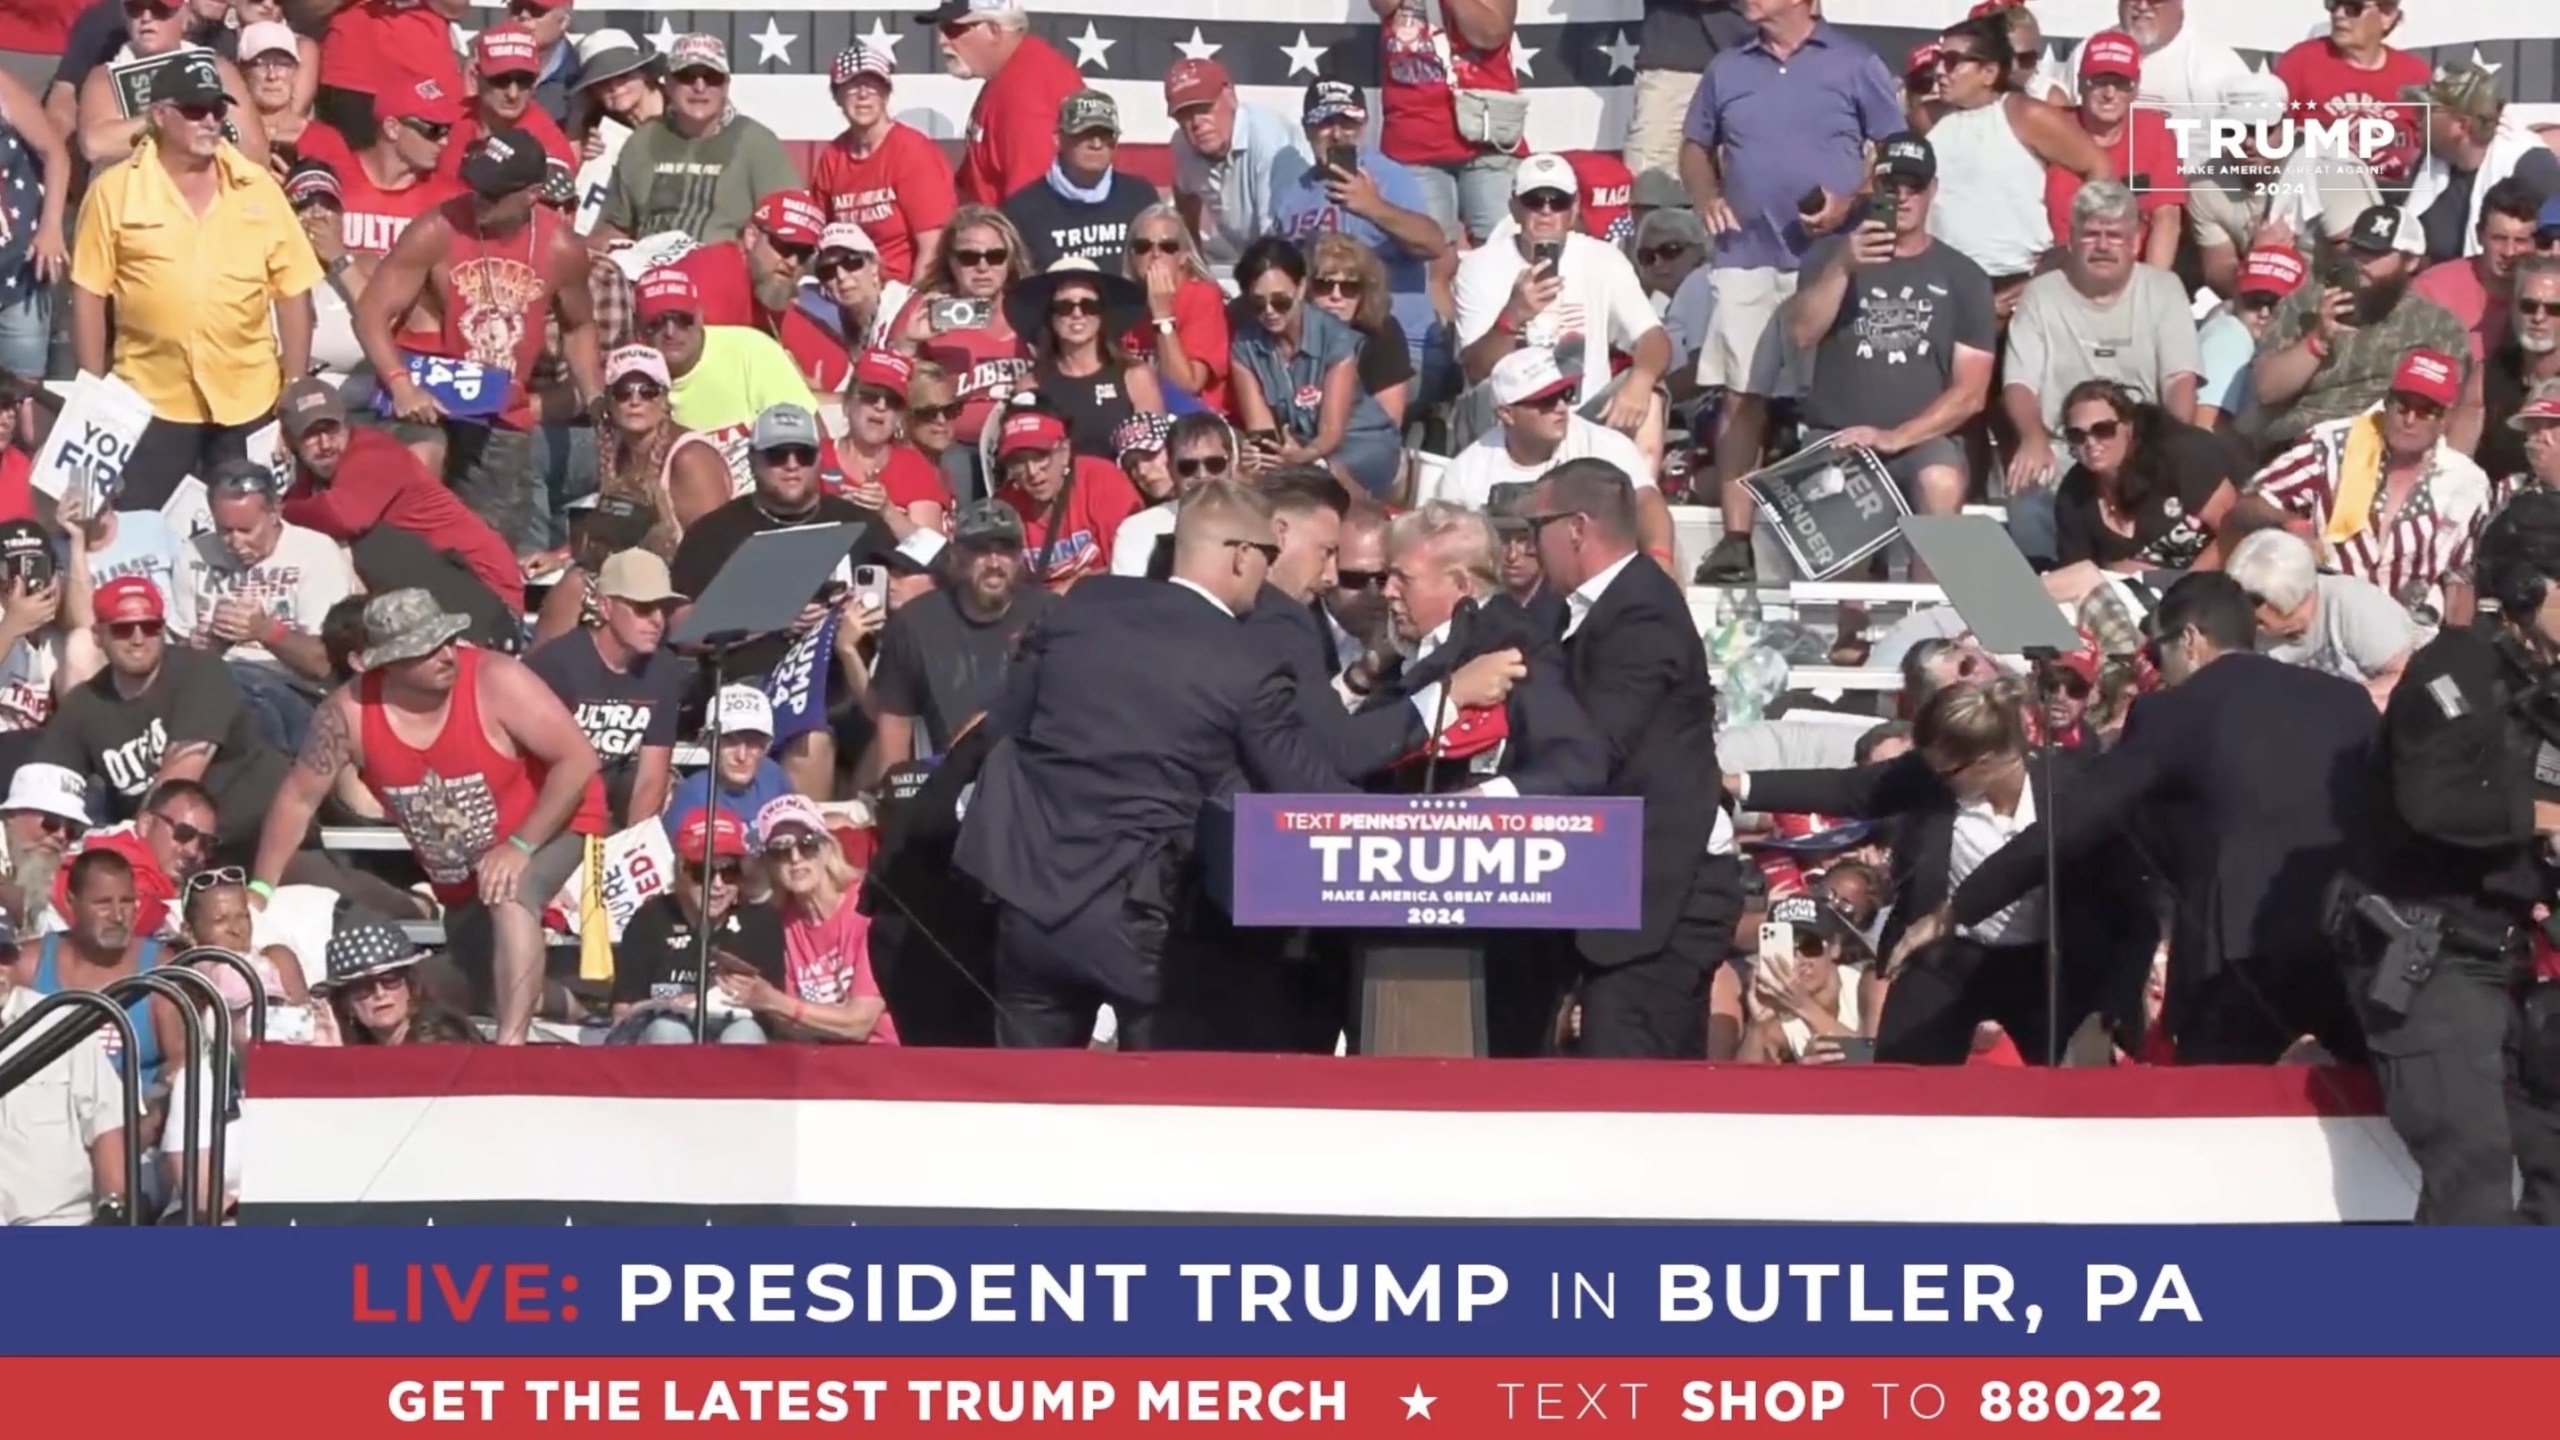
(1073, 314)
(374, 991)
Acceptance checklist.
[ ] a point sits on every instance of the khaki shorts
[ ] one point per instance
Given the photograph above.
(1661, 114)
(1746, 350)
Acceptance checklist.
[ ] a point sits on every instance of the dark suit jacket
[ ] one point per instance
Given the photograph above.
(1638, 667)
(2107, 924)
(1552, 748)
(2269, 766)
(1131, 705)
(1355, 743)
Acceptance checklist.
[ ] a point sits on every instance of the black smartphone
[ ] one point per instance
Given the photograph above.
(1263, 439)
(2339, 271)
(1812, 202)
(1854, 1049)
(1549, 253)
(1344, 160)
(1884, 207)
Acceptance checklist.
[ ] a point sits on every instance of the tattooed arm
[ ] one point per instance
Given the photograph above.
(330, 748)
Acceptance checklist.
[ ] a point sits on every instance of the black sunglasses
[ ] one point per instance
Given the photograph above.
(1538, 523)
(711, 79)
(56, 825)
(1155, 247)
(833, 266)
(975, 259)
(1201, 465)
(805, 456)
(134, 629)
(639, 390)
(1360, 579)
(2104, 430)
(1552, 202)
(2539, 309)
(512, 80)
(181, 831)
(726, 872)
(1084, 305)
(1269, 552)
(804, 847)
(934, 414)
(1656, 254)
(873, 395)
(1347, 287)
(428, 130)
(1279, 304)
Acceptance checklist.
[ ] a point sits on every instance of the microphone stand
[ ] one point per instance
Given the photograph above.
(2043, 658)
(719, 647)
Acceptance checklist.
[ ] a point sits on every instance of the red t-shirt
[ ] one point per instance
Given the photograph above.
(375, 45)
(895, 193)
(985, 366)
(1200, 322)
(719, 274)
(380, 482)
(1103, 498)
(17, 484)
(1421, 122)
(911, 479)
(374, 216)
(2325, 87)
(39, 27)
(535, 122)
(2455, 285)
(1013, 129)
(2145, 149)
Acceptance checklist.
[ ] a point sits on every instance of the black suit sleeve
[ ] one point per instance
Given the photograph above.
(2149, 758)
(1279, 754)
(1898, 786)
(1562, 754)
(1353, 744)
(1634, 667)
(2452, 778)
(1012, 709)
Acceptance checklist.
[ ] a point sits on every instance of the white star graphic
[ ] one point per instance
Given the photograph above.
(2482, 61)
(1521, 55)
(880, 39)
(1417, 1406)
(773, 43)
(1620, 50)
(1091, 48)
(1198, 47)
(664, 37)
(1303, 56)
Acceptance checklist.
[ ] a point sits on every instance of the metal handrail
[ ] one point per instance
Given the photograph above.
(191, 1027)
(222, 1064)
(239, 965)
(53, 1044)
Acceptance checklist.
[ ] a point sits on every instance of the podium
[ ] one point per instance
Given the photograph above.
(1419, 884)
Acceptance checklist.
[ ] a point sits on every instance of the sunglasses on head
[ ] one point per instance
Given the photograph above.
(1155, 247)
(1201, 465)
(1347, 287)
(220, 875)
(804, 456)
(134, 629)
(1085, 305)
(934, 414)
(1552, 202)
(980, 259)
(835, 265)
(628, 390)
(181, 831)
(1279, 304)
(884, 399)
(2104, 430)
(800, 846)
(1360, 579)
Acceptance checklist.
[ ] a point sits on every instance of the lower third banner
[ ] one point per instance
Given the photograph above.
(1427, 861)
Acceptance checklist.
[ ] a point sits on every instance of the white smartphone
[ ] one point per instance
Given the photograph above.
(871, 586)
(1776, 963)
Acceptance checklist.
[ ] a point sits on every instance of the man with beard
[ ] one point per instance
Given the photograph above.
(44, 814)
(945, 655)
(2333, 346)
(2527, 356)
(493, 267)
(1355, 610)
(99, 945)
(754, 280)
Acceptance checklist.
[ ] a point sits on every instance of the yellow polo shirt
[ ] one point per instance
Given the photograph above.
(194, 294)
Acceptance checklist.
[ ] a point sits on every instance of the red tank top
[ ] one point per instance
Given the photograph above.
(496, 298)
(460, 796)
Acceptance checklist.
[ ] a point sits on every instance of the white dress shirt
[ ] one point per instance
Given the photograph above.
(1980, 830)
(1202, 591)
(1577, 606)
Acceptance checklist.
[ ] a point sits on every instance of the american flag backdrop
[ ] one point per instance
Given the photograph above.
(1577, 57)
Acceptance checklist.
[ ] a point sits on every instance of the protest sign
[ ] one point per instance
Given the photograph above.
(1831, 506)
(1454, 861)
(92, 440)
(638, 863)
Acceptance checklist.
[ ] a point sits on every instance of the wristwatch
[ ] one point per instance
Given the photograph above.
(1164, 325)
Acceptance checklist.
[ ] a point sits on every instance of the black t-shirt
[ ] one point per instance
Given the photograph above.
(193, 700)
(621, 711)
(1054, 227)
(98, 32)
(2169, 531)
(941, 665)
(655, 959)
(1386, 360)
(706, 549)
(2503, 392)
(932, 928)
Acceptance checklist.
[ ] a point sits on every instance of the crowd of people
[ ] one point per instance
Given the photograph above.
(443, 452)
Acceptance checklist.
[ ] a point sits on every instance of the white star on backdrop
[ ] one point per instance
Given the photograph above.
(1417, 1406)
(1521, 55)
(880, 39)
(1198, 47)
(1620, 50)
(1091, 48)
(2482, 61)
(664, 37)
(773, 43)
(1303, 56)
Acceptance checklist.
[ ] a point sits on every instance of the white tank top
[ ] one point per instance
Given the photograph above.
(1990, 192)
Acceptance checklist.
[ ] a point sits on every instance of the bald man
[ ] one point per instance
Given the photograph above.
(1132, 704)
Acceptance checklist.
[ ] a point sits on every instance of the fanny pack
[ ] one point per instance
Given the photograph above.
(1495, 119)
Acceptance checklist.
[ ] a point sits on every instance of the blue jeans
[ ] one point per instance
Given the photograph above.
(2032, 525)
(281, 712)
(1476, 192)
(667, 1028)
(26, 332)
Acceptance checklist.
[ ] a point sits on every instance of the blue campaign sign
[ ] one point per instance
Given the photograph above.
(1438, 861)
(798, 685)
(1307, 1291)
(466, 390)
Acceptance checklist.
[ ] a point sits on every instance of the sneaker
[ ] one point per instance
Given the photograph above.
(1730, 563)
